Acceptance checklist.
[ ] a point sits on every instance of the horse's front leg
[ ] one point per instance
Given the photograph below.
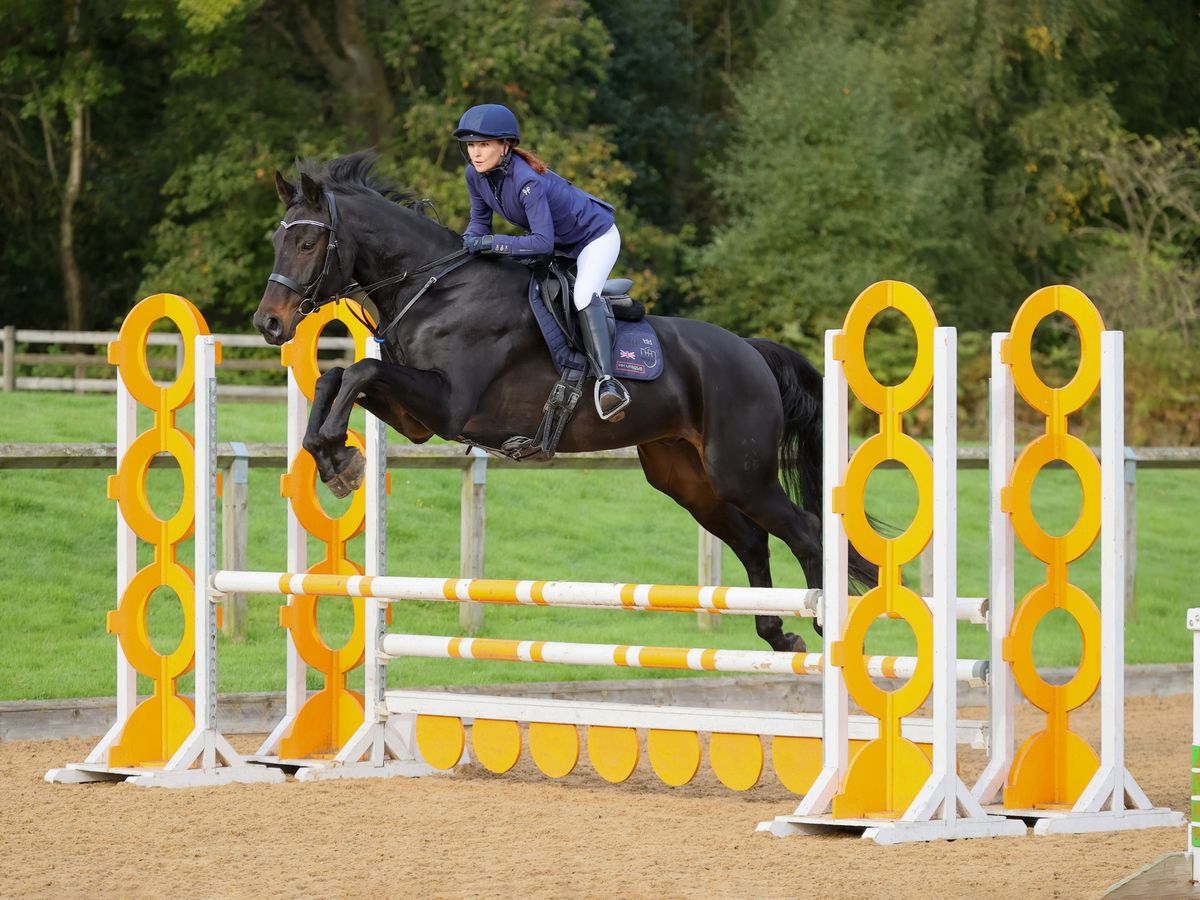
(336, 463)
(395, 393)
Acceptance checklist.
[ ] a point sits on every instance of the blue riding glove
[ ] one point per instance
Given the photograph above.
(478, 243)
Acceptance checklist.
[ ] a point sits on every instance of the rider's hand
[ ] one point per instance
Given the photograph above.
(478, 243)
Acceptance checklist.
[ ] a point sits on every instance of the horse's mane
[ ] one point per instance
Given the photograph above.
(351, 174)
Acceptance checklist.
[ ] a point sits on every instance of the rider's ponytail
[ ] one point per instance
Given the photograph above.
(535, 162)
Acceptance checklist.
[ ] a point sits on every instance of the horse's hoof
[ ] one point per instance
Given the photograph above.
(350, 479)
(795, 643)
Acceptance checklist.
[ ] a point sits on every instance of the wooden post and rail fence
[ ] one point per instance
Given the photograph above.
(18, 354)
(235, 459)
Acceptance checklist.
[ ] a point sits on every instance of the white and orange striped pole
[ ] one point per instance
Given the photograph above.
(750, 601)
(633, 656)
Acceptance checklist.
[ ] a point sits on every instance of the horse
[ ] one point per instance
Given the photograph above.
(727, 417)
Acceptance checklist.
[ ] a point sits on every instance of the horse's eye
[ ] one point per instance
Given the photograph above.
(307, 245)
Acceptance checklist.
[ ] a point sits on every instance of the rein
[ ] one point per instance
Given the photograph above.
(454, 260)
(310, 303)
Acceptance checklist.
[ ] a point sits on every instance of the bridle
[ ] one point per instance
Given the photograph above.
(310, 302)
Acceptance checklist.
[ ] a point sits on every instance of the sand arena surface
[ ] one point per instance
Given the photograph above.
(475, 833)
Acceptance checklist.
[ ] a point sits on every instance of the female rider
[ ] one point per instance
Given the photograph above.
(560, 218)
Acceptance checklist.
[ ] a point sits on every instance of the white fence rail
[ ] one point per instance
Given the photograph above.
(15, 359)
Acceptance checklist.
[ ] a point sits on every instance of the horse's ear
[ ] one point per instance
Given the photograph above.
(285, 189)
(311, 191)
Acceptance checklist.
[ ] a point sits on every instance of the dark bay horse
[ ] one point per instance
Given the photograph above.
(468, 363)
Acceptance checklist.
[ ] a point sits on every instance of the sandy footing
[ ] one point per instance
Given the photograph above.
(475, 833)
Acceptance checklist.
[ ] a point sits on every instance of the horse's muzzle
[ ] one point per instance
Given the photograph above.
(270, 327)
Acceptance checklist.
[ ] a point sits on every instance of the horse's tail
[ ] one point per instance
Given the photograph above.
(801, 446)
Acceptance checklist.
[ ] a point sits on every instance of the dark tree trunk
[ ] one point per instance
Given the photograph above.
(72, 281)
(353, 65)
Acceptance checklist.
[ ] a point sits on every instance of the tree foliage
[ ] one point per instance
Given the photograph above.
(769, 159)
(953, 145)
(1146, 268)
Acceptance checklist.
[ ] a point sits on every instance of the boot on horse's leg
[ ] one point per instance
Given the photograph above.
(611, 396)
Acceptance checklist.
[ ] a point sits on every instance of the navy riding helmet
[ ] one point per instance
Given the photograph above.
(489, 121)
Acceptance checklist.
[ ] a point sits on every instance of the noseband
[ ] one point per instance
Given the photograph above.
(309, 302)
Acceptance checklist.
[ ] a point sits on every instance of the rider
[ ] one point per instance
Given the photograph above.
(560, 218)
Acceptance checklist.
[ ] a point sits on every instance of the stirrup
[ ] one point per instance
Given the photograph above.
(618, 412)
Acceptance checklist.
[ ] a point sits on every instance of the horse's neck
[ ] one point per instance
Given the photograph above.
(473, 301)
(398, 241)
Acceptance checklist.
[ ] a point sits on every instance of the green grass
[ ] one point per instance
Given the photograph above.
(57, 564)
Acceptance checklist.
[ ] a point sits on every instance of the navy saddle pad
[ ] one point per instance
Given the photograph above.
(637, 354)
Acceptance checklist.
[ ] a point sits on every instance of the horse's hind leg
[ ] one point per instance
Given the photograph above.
(766, 502)
(744, 472)
(674, 467)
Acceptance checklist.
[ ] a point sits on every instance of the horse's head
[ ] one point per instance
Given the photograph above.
(308, 267)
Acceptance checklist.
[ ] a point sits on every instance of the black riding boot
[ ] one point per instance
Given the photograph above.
(611, 396)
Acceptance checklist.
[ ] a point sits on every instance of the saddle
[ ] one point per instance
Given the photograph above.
(556, 279)
(551, 298)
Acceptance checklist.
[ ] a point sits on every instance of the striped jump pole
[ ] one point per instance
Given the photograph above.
(746, 601)
(670, 598)
(629, 656)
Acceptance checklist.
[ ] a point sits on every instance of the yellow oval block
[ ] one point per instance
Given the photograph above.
(497, 744)
(797, 761)
(675, 755)
(737, 759)
(129, 350)
(872, 453)
(441, 740)
(1039, 453)
(554, 747)
(1055, 698)
(911, 303)
(1075, 305)
(612, 751)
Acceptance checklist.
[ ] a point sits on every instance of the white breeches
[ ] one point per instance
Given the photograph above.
(594, 265)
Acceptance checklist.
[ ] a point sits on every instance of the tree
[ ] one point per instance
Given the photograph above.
(543, 59)
(1146, 266)
(949, 146)
(54, 78)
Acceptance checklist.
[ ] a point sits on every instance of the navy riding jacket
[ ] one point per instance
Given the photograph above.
(560, 217)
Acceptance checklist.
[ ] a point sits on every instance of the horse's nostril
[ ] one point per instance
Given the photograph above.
(272, 326)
